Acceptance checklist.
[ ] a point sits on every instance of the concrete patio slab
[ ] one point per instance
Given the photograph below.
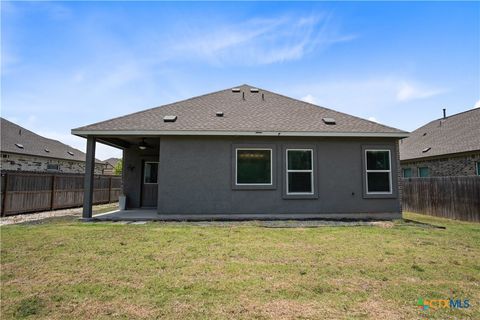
(152, 215)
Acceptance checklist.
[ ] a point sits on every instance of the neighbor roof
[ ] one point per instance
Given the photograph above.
(454, 134)
(112, 161)
(245, 112)
(15, 139)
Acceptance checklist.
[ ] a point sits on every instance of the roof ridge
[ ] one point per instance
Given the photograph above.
(44, 145)
(328, 109)
(456, 114)
(157, 107)
(448, 117)
(38, 135)
(149, 121)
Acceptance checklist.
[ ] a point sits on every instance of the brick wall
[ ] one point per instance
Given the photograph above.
(464, 165)
(10, 161)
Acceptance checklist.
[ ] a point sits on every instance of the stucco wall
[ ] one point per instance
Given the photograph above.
(460, 165)
(132, 172)
(195, 177)
(11, 161)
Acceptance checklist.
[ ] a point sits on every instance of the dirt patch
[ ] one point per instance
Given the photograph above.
(35, 217)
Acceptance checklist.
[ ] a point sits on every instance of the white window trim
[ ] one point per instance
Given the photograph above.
(389, 172)
(292, 170)
(254, 184)
(144, 165)
(418, 172)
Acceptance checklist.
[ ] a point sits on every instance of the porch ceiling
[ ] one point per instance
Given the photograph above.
(124, 142)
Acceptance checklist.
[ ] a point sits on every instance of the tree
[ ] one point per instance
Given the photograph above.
(117, 170)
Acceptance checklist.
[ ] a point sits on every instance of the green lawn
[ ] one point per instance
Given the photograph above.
(64, 269)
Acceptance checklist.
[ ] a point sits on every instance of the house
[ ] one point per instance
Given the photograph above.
(110, 165)
(246, 152)
(24, 150)
(449, 146)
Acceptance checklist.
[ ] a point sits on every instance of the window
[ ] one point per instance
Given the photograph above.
(478, 168)
(150, 173)
(378, 172)
(51, 166)
(253, 166)
(299, 179)
(423, 172)
(407, 172)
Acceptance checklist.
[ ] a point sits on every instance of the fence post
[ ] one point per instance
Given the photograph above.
(52, 197)
(110, 189)
(5, 194)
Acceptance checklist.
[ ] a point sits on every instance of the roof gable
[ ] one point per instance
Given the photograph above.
(454, 134)
(244, 110)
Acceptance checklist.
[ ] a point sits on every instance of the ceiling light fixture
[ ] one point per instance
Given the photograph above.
(143, 145)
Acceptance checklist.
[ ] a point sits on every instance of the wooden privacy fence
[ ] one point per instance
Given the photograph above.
(447, 197)
(23, 192)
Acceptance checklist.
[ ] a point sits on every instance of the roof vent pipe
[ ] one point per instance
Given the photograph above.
(444, 113)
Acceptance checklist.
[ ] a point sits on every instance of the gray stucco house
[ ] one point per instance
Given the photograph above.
(250, 153)
(449, 146)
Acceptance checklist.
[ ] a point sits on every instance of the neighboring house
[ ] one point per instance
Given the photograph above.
(24, 150)
(250, 153)
(449, 146)
(110, 165)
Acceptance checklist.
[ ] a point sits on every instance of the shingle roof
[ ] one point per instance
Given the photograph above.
(244, 111)
(112, 161)
(454, 134)
(34, 144)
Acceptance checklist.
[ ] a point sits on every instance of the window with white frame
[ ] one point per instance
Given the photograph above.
(150, 173)
(299, 175)
(378, 172)
(253, 166)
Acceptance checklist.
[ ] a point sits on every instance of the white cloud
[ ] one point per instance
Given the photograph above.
(477, 104)
(369, 94)
(373, 119)
(409, 91)
(260, 41)
(309, 98)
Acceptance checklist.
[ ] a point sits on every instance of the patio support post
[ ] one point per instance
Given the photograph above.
(88, 181)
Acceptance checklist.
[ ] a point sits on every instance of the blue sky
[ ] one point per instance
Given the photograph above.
(68, 64)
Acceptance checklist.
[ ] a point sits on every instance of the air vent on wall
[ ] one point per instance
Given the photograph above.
(219, 114)
(235, 89)
(19, 145)
(254, 90)
(329, 121)
(426, 149)
(70, 153)
(47, 150)
(169, 118)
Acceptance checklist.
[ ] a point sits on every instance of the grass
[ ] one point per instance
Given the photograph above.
(65, 269)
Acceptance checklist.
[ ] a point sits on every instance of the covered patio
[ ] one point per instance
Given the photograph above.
(139, 151)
